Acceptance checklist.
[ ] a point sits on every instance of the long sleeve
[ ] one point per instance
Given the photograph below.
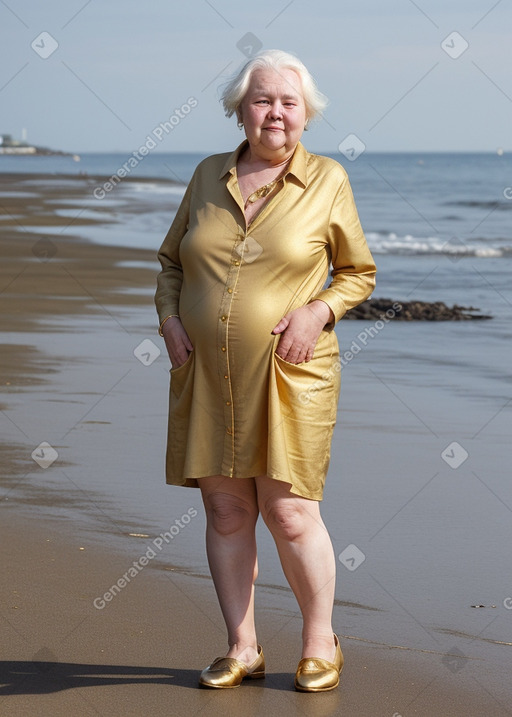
(353, 273)
(236, 408)
(170, 278)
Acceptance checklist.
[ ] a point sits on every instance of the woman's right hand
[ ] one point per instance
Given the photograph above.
(177, 342)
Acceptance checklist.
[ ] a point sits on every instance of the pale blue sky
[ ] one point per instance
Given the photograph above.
(122, 67)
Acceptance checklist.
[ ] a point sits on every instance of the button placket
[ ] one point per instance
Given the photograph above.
(224, 318)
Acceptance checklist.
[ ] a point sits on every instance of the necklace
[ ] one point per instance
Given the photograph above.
(265, 190)
(262, 192)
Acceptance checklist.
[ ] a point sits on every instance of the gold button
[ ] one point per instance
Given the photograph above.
(228, 403)
(230, 291)
(236, 263)
(226, 376)
(223, 318)
(222, 348)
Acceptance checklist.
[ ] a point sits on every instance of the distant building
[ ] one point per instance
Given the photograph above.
(8, 145)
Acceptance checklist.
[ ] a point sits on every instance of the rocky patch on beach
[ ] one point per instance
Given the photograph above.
(375, 309)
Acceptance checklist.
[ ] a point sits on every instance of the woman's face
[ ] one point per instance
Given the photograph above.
(273, 112)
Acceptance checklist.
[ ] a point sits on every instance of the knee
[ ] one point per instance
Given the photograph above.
(285, 519)
(228, 514)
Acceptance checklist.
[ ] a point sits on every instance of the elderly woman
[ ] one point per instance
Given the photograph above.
(248, 326)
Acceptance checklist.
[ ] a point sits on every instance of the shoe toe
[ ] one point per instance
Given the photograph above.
(316, 675)
(228, 672)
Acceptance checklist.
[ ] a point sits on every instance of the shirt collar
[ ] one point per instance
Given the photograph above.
(297, 166)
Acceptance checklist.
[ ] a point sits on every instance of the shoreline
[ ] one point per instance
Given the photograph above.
(73, 305)
(145, 649)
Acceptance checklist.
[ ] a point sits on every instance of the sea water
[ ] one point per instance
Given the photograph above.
(418, 498)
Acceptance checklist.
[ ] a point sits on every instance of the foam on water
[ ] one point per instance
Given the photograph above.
(155, 188)
(391, 243)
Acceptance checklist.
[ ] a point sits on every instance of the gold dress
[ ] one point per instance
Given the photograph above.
(236, 408)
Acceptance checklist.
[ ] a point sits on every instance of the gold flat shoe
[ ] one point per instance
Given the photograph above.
(229, 672)
(317, 675)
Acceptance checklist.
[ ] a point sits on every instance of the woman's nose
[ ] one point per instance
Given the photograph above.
(276, 110)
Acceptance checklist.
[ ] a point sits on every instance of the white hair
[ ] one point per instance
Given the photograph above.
(277, 60)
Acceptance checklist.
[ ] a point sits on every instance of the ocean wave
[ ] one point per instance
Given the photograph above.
(390, 243)
(154, 188)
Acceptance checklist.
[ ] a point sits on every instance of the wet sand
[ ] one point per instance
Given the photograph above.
(142, 653)
(67, 301)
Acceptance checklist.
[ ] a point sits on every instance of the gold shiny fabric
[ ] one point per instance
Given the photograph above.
(317, 675)
(236, 408)
(225, 672)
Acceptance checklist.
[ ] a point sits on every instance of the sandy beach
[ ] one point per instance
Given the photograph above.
(141, 654)
(83, 396)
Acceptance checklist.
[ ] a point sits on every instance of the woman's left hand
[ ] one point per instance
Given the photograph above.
(300, 330)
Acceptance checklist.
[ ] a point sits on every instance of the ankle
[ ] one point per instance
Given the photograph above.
(244, 651)
(322, 646)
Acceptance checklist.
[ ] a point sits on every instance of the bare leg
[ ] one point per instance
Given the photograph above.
(307, 558)
(231, 514)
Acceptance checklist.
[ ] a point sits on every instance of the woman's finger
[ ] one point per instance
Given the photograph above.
(177, 342)
(281, 325)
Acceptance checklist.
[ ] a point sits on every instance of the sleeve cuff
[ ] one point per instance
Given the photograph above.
(336, 305)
